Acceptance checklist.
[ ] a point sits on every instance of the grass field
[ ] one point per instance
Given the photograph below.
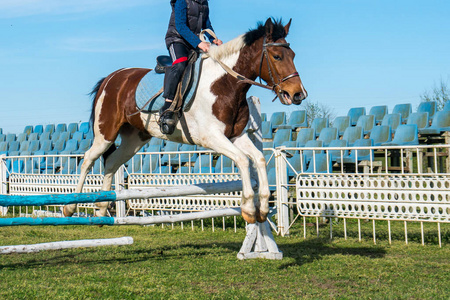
(166, 263)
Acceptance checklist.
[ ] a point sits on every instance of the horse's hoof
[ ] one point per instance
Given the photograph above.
(251, 219)
(65, 213)
(261, 217)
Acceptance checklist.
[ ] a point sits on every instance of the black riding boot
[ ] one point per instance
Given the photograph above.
(167, 120)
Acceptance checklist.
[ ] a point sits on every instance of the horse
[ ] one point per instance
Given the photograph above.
(216, 119)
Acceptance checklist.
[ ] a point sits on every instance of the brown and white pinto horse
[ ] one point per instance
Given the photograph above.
(216, 119)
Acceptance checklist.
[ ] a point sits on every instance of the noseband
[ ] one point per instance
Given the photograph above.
(276, 86)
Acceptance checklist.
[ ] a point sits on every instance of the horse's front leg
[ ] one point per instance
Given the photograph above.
(223, 145)
(246, 145)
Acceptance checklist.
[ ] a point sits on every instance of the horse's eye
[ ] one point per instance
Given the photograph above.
(277, 57)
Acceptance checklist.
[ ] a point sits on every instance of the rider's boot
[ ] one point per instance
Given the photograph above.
(167, 121)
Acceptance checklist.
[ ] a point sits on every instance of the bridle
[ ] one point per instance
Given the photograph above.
(272, 74)
(271, 69)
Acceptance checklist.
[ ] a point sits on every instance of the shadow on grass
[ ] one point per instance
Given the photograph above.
(302, 252)
(312, 250)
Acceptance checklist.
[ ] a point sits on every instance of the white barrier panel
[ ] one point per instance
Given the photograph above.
(424, 198)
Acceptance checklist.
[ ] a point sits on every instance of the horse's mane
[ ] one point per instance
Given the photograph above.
(248, 39)
(255, 34)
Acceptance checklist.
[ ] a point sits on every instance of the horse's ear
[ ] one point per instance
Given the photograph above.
(288, 25)
(269, 27)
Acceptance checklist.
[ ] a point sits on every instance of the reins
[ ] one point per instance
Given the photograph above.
(270, 67)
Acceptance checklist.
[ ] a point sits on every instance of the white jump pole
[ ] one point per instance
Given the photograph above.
(66, 245)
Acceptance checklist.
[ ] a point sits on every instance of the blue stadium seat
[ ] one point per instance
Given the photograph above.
(441, 123)
(419, 118)
(83, 147)
(85, 127)
(392, 120)
(307, 154)
(170, 147)
(151, 162)
(46, 146)
(278, 118)
(341, 123)
(21, 137)
(295, 163)
(327, 135)
(266, 130)
(135, 164)
(378, 112)
(204, 164)
(405, 135)
(351, 134)
(45, 136)
(69, 166)
(28, 129)
(13, 146)
(318, 124)
(2, 137)
(320, 163)
(33, 146)
(354, 113)
(78, 135)
(366, 122)
(61, 127)
(4, 148)
(33, 136)
(297, 119)
(381, 134)
(290, 144)
(334, 154)
(429, 107)
(404, 110)
(225, 165)
(156, 141)
(272, 178)
(305, 135)
(38, 129)
(50, 128)
(357, 155)
(281, 136)
(10, 137)
(187, 157)
(72, 128)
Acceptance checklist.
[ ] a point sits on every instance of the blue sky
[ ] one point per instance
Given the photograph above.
(348, 53)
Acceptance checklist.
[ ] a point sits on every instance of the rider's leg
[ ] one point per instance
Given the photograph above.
(179, 54)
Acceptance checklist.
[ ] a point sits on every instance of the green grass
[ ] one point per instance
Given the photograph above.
(166, 263)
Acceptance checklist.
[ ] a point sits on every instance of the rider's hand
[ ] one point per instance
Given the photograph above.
(204, 46)
(218, 42)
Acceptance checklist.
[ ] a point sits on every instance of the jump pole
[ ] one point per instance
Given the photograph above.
(127, 240)
(103, 196)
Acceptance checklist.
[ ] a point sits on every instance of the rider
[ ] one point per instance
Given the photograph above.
(188, 19)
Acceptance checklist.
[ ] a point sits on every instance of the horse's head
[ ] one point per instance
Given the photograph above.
(277, 65)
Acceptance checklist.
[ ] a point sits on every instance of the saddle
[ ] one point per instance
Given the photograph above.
(150, 88)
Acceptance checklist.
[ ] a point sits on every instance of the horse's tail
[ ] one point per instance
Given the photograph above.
(93, 94)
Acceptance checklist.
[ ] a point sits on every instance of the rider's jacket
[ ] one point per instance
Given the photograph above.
(187, 20)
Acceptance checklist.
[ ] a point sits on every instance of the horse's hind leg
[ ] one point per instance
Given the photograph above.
(99, 146)
(131, 143)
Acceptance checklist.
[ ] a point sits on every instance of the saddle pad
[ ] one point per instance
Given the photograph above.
(151, 83)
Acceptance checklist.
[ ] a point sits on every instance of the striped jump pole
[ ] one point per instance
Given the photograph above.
(102, 196)
(110, 221)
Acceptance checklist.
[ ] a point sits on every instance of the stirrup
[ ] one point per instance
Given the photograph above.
(167, 122)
